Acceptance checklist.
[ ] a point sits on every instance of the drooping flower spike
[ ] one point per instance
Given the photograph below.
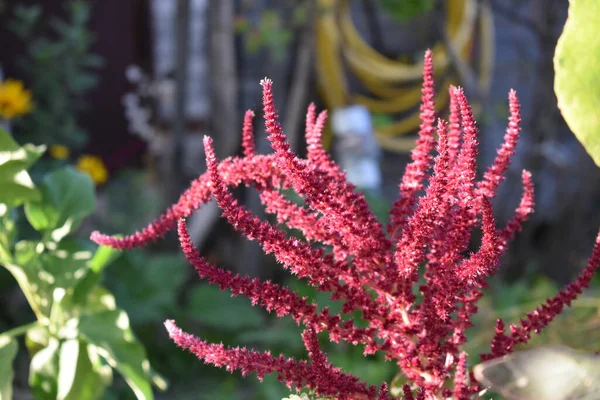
(376, 270)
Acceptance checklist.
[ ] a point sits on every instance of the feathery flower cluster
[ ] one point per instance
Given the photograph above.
(375, 269)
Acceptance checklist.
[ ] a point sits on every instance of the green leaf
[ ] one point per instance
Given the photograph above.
(66, 370)
(68, 196)
(110, 332)
(15, 158)
(43, 371)
(66, 265)
(17, 186)
(77, 377)
(577, 82)
(8, 351)
(89, 298)
(100, 299)
(217, 309)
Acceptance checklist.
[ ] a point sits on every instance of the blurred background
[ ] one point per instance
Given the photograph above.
(126, 90)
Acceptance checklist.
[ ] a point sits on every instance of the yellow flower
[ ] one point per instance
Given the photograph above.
(14, 99)
(59, 152)
(94, 167)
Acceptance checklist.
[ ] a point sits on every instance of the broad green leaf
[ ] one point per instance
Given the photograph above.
(577, 81)
(77, 378)
(217, 309)
(43, 371)
(67, 264)
(81, 291)
(17, 186)
(14, 157)
(8, 351)
(110, 332)
(91, 299)
(68, 196)
(97, 299)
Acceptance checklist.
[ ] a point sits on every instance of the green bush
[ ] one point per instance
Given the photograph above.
(79, 335)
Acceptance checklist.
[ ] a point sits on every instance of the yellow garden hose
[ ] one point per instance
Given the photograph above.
(360, 56)
(396, 85)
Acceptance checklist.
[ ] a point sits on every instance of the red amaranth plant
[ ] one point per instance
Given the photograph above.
(371, 268)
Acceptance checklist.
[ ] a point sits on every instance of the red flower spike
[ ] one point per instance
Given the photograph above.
(272, 297)
(260, 169)
(299, 257)
(311, 116)
(523, 211)
(292, 372)
(346, 212)
(314, 141)
(410, 251)
(495, 173)
(408, 395)
(455, 131)
(415, 173)
(297, 217)
(248, 134)
(544, 314)
(345, 251)
(383, 392)
(461, 384)
(484, 262)
(466, 165)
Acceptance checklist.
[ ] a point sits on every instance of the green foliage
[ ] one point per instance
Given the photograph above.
(110, 331)
(8, 351)
(148, 284)
(60, 69)
(67, 198)
(577, 82)
(405, 10)
(269, 30)
(17, 186)
(80, 334)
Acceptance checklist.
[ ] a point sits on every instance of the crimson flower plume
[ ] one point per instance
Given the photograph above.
(414, 281)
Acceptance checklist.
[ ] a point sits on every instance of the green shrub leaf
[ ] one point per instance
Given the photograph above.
(8, 351)
(17, 186)
(68, 196)
(110, 332)
(77, 377)
(43, 371)
(577, 82)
